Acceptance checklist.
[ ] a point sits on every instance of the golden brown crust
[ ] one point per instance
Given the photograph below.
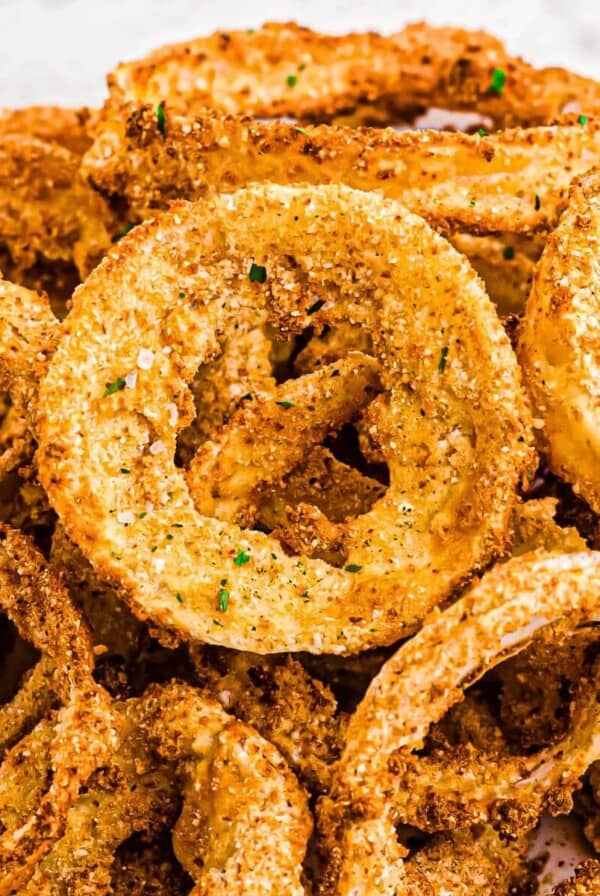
(46, 212)
(52, 124)
(458, 505)
(420, 682)
(456, 181)
(284, 69)
(34, 597)
(560, 343)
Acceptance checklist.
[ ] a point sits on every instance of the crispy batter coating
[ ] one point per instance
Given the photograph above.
(456, 181)
(505, 264)
(37, 602)
(284, 69)
(337, 490)
(560, 343)
(48, 214)
(52, 124)
(585, 881)
(134, 792)
(245, 824)
(534, 526)
(268, 436)
(456, 449)
(291, 709)
(378, 780)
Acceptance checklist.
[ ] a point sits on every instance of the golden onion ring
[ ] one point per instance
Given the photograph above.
(516, 181)
(284, 69)
(148, 316)
(560, 343)
(492, 621)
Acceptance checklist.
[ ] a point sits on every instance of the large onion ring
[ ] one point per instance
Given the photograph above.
(415, 688)
(515, 182)
(283, 69)
(560, 343)
(154, 308)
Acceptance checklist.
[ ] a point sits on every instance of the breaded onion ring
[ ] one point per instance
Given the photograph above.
(52, 124)
(415, 688)
(239, 796)
(452, 423)
(284, 69)
(513, 182)
(37, 602)
(560, 343)
(50, 219)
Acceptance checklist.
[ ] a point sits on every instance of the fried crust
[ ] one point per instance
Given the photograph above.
(427, 675)
(406, 292)
(481, 185)
(559, 344)
(283, 69)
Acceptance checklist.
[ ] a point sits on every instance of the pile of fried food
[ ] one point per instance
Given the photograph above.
(300, 472)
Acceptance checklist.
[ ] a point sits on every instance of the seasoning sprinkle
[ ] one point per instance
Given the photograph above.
(161, 120)
(582, 119)
(179, 597)
(482, 132)
(241, 558)
(316, 306)
(537, 202)
(291, 80)
(508, 252)
(353, 567)
(443, 359)
(257, 273)
(115, 386)
(498, 81)
(123, 232)
(285, 404)
(223, 599)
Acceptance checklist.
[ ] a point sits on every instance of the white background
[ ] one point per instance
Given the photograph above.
(59, 50)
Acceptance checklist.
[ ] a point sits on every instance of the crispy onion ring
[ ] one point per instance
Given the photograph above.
(514, 182)
(35, 599)
(52, 124)
(154, 308)
(283, 69)
(238, 791)
(415, 688)
(48, 214)
(560, 343)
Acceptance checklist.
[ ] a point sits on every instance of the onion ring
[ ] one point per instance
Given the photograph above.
(69, 128)
(283, 69)
(50, 219)
(92, 424)
(516, 181)
(35, 599)
(254, 816)
(426, 676)
(560, 343)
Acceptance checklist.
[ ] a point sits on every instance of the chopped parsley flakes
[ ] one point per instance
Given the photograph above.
(498, 81)
(161, 121)
(316, 306)
(537, 202)
(115, 386)
(353, 567)
(443, 359)
(508, 252)
(223, 599)
(241, 558)
(123, 232)
(285, 404)
(179, 597)
(257, 273)
(582, 119)
(291, 80)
